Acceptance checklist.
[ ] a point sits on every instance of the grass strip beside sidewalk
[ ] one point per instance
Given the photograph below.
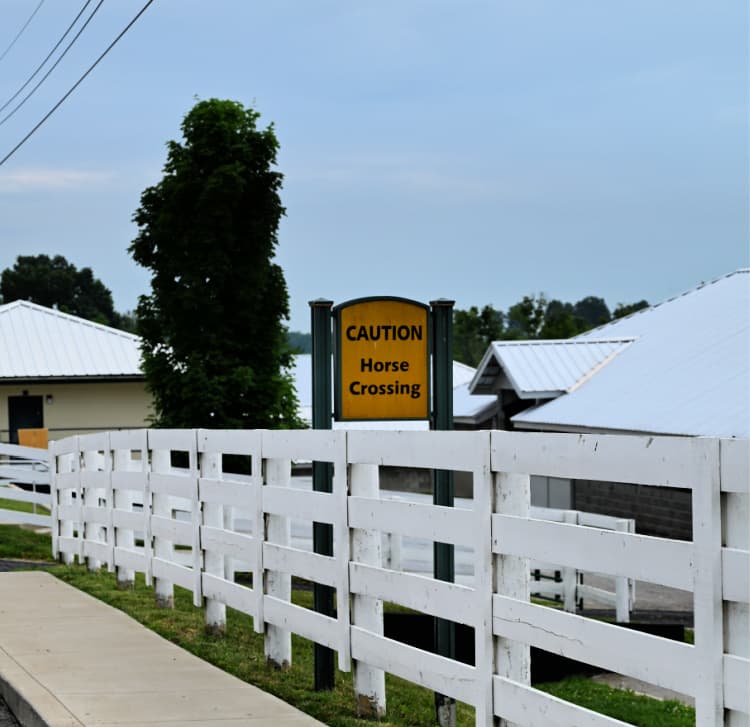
(20, 543)
(240, 652)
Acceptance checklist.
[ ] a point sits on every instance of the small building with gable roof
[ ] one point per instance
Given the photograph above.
(66, 374)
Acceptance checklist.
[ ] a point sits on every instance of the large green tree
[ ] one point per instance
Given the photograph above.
(55, 282)
(215, 351)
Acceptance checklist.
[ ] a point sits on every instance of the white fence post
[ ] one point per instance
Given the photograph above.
(708, 606)
(69, 463)
(195, 521)
(228, 519)
(60, 464)
(367, 612)
(484, 581)
(90, 496)
(161, 506)
(123, 500)
(277, 641)
(735, 480)
(622, 583)
(55, 525)
(213, 516)
(512, 659)
(570, 575)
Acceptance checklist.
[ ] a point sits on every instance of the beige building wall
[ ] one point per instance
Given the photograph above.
(79, 408)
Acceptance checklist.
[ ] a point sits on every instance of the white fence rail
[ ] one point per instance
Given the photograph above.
(97, 478)
(22, 471)
(548, 580)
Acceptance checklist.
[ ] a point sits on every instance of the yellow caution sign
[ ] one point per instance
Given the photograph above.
(382, 359)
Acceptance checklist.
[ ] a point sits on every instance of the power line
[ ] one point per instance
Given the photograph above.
(49, 55)
(20, 32)
(76, 84)
(54, 65)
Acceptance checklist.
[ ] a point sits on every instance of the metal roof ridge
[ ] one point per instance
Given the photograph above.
(5, 308)
(565, 341)
(598, 367)
(683, 294)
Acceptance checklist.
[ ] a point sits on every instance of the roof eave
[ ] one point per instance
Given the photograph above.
(476, 380)
(552, 394)
(96, 378)
(582, 429)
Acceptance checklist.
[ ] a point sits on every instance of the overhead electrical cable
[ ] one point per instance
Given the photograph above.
(49, 55)
(20, 32)
(76, 84)
(53, 66)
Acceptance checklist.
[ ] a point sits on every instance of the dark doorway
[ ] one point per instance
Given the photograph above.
(24, 412)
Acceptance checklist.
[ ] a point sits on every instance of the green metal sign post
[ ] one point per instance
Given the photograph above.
(442, 494)
(322, 415)
(398, 324)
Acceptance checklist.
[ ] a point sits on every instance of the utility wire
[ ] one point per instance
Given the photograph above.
(20, 32)
(49, 55)
(53, 66)
(76, 84)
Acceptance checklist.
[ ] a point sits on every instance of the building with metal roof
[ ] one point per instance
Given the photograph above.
(543, 369)
(43, 343)
(67, 375)
(681, 367)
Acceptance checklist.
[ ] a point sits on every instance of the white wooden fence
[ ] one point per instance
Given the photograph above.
(96, 478)
(24, 466)
(548, 580)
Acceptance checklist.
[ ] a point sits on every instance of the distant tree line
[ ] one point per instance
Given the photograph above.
(534, 317)
(56, 283)
(300, 342)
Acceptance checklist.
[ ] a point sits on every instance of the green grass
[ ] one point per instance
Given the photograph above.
(622, 704)
(18, 506)
(24, 544)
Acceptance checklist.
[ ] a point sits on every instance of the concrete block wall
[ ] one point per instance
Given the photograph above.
(661, 511)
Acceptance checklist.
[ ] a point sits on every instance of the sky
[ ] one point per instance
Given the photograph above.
(473, 150)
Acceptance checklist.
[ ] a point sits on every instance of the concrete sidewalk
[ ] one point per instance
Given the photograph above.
(67, 659)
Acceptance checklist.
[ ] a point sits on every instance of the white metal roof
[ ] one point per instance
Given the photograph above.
(687, 371)
(42, 343)
(543, 369)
